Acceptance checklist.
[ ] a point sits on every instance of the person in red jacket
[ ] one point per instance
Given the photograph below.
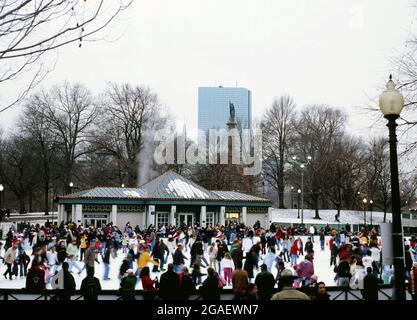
(148, 284)
(294, 252)
(412, 281)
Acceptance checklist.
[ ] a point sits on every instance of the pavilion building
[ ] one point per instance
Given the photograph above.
(168, 199)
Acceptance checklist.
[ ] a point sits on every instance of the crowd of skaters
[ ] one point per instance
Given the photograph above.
(233, 252)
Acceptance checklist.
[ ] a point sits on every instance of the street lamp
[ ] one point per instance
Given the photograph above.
(292, 197)
(391, 103)
(1, 194)
(298, 206)
(364, 211)
(302, 166)
(71, 185)
(123, 185)
(371, 203)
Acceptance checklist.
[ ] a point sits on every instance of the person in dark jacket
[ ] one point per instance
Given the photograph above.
(69, 283)
(90, 287)
(343, 275)
(370, 286)
(309, 246)
(106, 261)
(126, 264)
(187, 285)
(169, 285)
(250, 263)
(265, 283)
(251, 292)
(178, 259)
(61, 252)
(197, 251)
(320, 293)
(210, 289)
(221, 250)
(35, 280)
(158, 253)
(237, 256)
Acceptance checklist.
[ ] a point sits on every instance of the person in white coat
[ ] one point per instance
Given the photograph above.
(247, 244)
(228, 266)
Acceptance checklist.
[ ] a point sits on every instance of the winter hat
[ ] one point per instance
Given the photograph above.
(170, 236)
(314, 277)
(287, 273)
(129, 271)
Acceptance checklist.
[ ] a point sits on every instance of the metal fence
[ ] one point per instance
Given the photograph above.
(336, 293)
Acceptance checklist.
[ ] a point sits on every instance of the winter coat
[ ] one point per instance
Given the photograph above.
(210, 290)
(148, 284)
(250, 263)
(90, 288)
(187, 287)
(169, 286)
(305, 269)
(178, 258)
(237, 256)
(227, 263)
(370, 287)
(10, 255)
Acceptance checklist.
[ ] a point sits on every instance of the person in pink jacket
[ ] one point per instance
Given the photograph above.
(305, 269)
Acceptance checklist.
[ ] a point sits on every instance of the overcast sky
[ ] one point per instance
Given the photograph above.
(321, 51)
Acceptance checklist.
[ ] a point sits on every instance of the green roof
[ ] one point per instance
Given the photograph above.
(168, 186)
(233, 195)
(171, 185)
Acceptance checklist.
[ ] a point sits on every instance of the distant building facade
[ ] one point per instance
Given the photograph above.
(213, 107)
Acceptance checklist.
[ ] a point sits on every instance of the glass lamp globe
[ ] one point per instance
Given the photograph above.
(391, 101)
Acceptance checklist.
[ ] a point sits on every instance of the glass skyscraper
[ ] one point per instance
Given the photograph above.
(213, 107)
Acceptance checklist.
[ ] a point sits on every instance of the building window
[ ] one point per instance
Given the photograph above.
(209, 219)
(257, 210)
(232, 215)
(96, 208)
(162, 218)
(130, 208)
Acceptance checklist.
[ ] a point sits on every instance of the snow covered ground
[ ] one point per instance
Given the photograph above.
(321, 265)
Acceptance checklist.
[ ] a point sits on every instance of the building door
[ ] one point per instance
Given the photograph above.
(186, 218)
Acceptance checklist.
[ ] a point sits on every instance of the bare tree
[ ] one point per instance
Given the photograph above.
(19, 168)
(319, 131)
(29, 29)
(70, 111)
(131, 115)
(276, 131)
(35, 125)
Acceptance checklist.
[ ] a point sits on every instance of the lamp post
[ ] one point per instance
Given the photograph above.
(292, 197)
(302, 166)
(391, 103)
(71, 185)
(371, 202)
(364, 211)
(1, 195)
(298, 206)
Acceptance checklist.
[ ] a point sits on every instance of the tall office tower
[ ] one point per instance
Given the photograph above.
(213, 107)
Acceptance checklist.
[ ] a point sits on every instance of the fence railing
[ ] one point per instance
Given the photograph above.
(336, 293)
